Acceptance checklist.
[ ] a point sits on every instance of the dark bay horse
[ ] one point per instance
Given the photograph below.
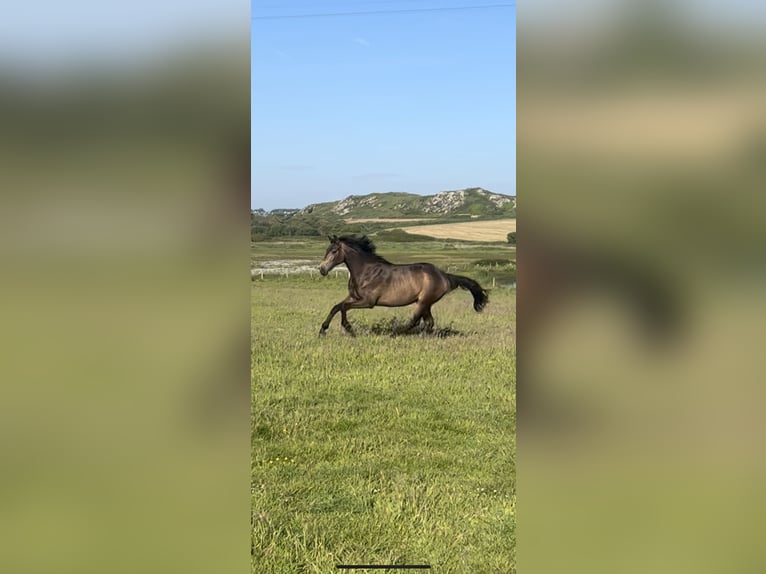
(375, 281)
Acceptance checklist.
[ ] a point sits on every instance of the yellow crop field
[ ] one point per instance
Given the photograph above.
(496, 230)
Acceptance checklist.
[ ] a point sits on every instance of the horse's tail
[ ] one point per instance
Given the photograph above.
(480, 296)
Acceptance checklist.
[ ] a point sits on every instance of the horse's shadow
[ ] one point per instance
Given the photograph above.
(395, 327)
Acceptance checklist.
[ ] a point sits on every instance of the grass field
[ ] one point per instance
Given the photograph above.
(380, 449)
(492, 230)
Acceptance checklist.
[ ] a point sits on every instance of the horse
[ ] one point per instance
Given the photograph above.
(373, 281)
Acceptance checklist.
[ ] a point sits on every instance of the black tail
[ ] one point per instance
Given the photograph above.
(480, 296)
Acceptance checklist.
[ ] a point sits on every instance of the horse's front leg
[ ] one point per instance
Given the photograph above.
(353, 304)
(344, 320)
(327, 321)
(343, 306)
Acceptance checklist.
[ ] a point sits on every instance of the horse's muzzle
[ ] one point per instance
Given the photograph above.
(323, 271)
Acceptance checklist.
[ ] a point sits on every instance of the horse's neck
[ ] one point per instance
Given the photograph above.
(356, 262)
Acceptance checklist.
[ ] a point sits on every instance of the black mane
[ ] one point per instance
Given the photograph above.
(361, 244)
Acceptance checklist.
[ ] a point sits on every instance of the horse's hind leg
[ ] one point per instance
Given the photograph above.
(428, 319)
(420, 311)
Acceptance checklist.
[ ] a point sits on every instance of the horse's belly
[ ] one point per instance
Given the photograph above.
(399, 299)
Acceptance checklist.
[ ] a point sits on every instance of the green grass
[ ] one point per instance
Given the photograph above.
(380, 449)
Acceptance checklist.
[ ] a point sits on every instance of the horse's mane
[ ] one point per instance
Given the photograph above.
(362, 244)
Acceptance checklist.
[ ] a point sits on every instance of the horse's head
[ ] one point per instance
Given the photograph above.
(334, 255)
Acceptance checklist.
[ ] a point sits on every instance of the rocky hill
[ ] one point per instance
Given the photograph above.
(474, 201)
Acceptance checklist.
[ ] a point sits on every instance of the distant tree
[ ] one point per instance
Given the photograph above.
(476, 209)
(512, 238)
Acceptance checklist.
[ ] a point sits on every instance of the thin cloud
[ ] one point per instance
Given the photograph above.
(362, 42)
(375, 175)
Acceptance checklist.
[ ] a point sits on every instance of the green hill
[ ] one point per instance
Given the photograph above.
(341, 216)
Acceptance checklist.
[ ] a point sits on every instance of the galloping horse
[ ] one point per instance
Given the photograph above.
(375, 281)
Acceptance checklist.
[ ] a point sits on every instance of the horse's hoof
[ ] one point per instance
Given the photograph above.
(322, 332)
(348, 332)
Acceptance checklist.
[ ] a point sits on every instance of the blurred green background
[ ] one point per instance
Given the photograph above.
(124, 347)
(641, 163)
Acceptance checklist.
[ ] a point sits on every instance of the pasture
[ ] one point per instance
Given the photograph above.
(378, 449)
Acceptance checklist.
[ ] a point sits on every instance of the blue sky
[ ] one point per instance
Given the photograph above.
(416, 101)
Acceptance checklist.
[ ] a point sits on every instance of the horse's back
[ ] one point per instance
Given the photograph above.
(433, 280)
(408, 283)
(425, 270)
